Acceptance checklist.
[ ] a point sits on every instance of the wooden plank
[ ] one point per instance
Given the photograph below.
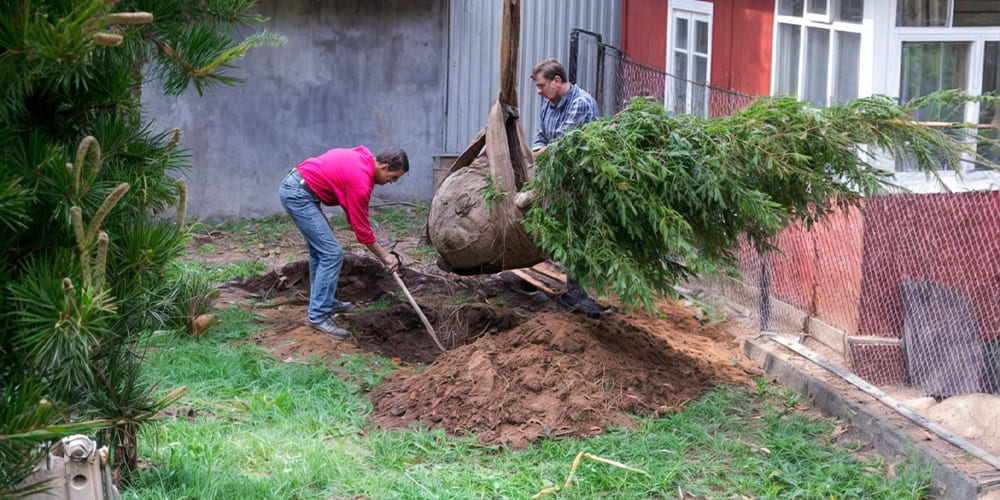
(551, 287)
(549, 269)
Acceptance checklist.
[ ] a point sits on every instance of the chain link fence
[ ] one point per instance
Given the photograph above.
(614, 79)
(905, 288)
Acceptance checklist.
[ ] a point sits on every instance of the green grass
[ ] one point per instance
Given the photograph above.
(401, 219)
(268, 430)
(425, 254)
(222, 273)
(267, 231)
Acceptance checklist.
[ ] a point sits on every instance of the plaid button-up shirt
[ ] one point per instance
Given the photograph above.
(575, 108)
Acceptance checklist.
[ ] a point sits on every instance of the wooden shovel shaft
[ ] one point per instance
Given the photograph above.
(427, 324)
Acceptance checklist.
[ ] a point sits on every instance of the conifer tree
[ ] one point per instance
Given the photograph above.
(84, 184)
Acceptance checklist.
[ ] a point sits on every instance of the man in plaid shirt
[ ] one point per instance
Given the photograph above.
(567, 104)
(565, 107)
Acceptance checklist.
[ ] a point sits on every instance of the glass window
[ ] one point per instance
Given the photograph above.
(851, 11)
(699, 99)
(922, 13)
(976, 13)
(932, 66)
(790, 7)
(846, 84)
(690, 60)
(818, 7)
(701, 37)
(789, 40)
(817, 65)
(681, 33)
(928, 67)
(817, 54)
(989, 114)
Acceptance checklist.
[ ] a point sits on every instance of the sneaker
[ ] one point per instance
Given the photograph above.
(330, 328)
(342, 307)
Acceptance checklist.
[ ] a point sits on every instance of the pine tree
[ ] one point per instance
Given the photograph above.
(85, 184)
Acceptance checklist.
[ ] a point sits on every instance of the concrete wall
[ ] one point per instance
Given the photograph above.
(369, 72)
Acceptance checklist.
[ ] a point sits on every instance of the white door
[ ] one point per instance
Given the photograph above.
(689, 57)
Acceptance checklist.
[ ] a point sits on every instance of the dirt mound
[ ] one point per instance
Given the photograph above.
(557, 374)
(517, 368)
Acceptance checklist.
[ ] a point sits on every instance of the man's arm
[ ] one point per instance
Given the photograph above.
(540, 141)
(388, 260)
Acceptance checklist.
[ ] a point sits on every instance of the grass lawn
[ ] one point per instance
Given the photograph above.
(252, 427)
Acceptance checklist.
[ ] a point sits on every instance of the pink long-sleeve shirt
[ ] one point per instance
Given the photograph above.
(344, 177)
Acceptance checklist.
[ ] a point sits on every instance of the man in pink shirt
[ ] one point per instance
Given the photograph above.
(343, 177)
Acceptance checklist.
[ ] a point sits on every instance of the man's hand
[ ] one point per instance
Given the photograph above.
(390, 263)
(394, 265)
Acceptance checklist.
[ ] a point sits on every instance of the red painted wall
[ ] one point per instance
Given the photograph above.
(819, 270)
(741, 45)
(741, 40)
(848, 271)
(952, 239)
(644, 31)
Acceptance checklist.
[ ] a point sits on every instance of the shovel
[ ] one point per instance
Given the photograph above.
(427, 324)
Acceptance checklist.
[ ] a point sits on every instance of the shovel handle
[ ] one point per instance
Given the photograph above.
(427, 324)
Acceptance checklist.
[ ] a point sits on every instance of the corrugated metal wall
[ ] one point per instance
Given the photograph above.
(474, 59)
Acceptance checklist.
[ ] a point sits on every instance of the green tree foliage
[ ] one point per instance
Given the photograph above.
(635, 203)
(84, 185)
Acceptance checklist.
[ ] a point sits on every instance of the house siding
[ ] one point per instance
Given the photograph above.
(741, 40)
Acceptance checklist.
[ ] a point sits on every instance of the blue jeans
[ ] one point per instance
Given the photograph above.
(326, 256)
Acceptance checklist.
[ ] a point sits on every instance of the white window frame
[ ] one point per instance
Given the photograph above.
(976, 37)
(865, 29)
(697, 7)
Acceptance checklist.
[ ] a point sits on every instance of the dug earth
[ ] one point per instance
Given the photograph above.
(516, 368)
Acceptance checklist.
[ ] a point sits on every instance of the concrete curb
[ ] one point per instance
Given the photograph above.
(889, 438)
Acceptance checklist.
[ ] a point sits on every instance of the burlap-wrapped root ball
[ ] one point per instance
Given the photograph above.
(471, 237)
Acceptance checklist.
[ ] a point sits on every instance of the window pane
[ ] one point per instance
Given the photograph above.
(931, 66)
(681, 33)
(927, 67)
(989, 114)
(976, 13)
(680, 82)
(851, 11)
(790, 7)
(817, 65)
(699, 100)
(700, 69)
(701, 37)
(681, 65)
(817, 7)
(848, 54)
(789, 39)
(922, 13)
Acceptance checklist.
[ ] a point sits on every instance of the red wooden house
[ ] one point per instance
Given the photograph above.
(850, 278)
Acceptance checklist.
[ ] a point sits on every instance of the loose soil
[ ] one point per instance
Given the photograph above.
(517, 368)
